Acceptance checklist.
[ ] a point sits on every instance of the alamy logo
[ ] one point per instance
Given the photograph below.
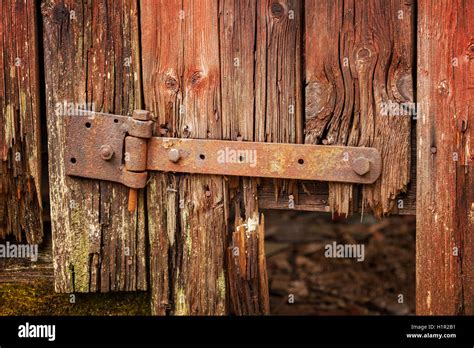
(22, 251)
(71, 108)
(335, 250)
(37, 331)
(391, 108)
(229, 155)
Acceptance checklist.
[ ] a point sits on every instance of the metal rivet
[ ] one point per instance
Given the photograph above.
(106, 152)
(361, 165)
(174, 155)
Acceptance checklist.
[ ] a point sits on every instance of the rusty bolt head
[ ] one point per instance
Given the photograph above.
(361, 165)
(173, 155)
(141, 115)
(106, 152)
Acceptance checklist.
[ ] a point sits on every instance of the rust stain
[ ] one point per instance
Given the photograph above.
(132, 200)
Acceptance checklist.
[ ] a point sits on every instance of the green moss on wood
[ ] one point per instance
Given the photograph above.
(39, 298)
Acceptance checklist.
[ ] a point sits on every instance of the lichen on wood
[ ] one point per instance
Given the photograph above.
(92, 60)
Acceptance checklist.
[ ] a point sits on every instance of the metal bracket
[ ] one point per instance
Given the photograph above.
(95, 144)
(122, 149)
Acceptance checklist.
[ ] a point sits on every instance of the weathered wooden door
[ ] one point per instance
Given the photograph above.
(283, 71)
(239, 70)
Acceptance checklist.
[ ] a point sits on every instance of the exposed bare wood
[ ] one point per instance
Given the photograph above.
(350, 77)
(180, 41)
(20, 154)
(92, 62)
(237, 59)
(445, 195)
(278, 103)
(247, 269)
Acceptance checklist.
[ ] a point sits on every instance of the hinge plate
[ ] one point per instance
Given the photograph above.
(90, 136)
(98, 148)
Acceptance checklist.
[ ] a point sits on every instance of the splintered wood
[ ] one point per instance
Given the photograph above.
(359, 64)
(232, 70)
(20, 154)
(247, 269)
(92, 62)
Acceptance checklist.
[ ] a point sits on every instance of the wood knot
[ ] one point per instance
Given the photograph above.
(364, 53)
(404, 85)
(171, 83)
(462, 125)
(470, 50)
(60, 14)
(195, 78)
(164, 130)
(277, 10)
(186, 132)
(365, 56)
(443, 89)
(207, 191)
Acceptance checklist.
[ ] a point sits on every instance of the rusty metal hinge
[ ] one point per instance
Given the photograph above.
(122, 149)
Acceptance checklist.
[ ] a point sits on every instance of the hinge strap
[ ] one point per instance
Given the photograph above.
(122, 149)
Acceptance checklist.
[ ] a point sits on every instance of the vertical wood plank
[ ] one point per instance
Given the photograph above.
(91, 50)
(248, 291)
(182, 88)
(20, 131)
(445, 186)
(162, 63)
(358, 61)
(278, 76)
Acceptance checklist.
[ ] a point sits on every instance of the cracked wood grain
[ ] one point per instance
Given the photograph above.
(248, 291)
(445, 175)
(187, 228)
(20, 131)
(358, 59)
(92, 61)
